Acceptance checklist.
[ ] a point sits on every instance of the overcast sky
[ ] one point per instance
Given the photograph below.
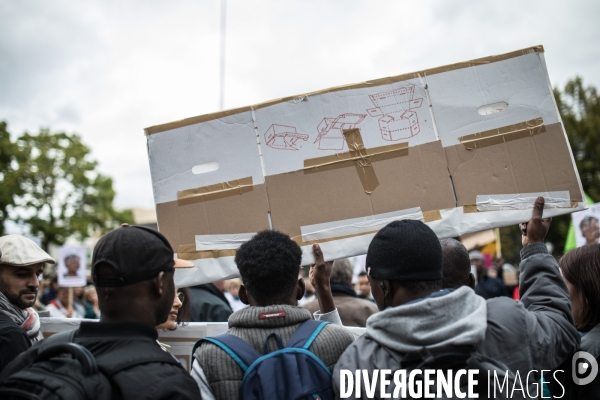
(108, 69)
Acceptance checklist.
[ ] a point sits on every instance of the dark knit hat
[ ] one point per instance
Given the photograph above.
(406, 250)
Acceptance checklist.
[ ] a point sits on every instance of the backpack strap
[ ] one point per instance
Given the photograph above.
(238, 349)
(58, 338)
(306, 334)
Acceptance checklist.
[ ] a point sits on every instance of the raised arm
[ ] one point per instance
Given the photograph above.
(544, 294)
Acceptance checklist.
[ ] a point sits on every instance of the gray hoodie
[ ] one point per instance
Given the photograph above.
(536, 333)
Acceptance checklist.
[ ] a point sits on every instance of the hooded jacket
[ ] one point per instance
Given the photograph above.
(533, 334)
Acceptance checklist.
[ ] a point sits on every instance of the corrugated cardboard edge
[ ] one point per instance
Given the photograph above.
(428, 216)
(377, 82)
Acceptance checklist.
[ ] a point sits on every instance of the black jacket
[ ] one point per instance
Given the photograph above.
(157, 380)
(209, 304)
(13, 340)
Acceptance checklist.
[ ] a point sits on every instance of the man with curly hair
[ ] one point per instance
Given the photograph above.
(269, 264)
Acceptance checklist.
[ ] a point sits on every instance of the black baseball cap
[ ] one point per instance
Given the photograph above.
(136, 254)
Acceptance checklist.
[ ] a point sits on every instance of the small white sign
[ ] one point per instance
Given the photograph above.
(587, 226)
(71, 266)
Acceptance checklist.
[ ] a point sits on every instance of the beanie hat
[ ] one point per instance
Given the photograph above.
(406, 250)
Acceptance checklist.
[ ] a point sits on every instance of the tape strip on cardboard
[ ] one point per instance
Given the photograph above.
(188, 252)
(519, 201)
(218, 190)
(360, 156)
(503, 134)
(522, 201)
(356, 226)
(221, 242)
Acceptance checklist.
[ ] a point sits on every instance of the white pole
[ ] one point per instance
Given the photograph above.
(222, 66)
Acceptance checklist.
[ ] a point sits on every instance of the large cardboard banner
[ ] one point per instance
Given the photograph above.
(587, 225)
(464, 148)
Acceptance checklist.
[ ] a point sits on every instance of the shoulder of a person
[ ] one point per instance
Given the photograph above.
(6, 323)
(364, 349)
(336, 333)
(504, 307)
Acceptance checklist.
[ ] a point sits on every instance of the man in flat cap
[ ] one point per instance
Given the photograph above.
(21, 263)
(133, 270)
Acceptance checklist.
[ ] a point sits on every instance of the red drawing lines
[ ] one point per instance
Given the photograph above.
(331, 136)
(283, 137)
(395, 109)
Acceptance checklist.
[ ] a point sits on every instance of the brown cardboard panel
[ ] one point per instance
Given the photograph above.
(180, 221)
(419, 179)
(555, 157)
(298, 199)
(531, 164)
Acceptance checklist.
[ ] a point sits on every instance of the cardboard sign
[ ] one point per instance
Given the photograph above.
(464, 148)
(587, 226)
(71, 266)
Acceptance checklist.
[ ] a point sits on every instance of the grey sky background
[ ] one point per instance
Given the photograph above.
(108, 69)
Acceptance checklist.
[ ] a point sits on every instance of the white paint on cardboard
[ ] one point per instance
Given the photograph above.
(457, 95)
(229, 141)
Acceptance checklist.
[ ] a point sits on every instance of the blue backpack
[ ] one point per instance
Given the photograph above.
(292, 372)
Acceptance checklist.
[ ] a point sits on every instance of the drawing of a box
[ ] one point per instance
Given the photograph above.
(407, 125)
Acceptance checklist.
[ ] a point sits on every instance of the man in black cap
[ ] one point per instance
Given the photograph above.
(419, 318)
(133, 269)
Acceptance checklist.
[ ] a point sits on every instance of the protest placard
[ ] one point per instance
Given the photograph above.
(464, 148)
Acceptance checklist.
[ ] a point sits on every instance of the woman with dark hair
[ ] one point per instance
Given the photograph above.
(179, 315)
(580, 268)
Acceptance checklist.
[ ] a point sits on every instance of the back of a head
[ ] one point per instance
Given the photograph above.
(457, 265)
(269, 264)
(408, 252)
(581, 268)
(342, 271)
(125, 263)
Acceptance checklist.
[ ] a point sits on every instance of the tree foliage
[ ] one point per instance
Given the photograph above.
(9, 187)
(579, 108)
(60, 192)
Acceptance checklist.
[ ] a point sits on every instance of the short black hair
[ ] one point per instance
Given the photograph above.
(269, 264)
(457, 265)
(363, 273)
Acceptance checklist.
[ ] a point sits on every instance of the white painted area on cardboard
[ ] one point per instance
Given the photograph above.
(222, 242)
(356, 226)
(229, 141)
(592, 212)
(457, 95)
(306, 115)
(522, 201)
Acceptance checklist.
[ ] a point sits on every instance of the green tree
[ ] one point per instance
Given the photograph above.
(9, 186)
(63, 193)
(579, 108)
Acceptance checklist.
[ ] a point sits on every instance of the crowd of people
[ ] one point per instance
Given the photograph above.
(425, 302)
